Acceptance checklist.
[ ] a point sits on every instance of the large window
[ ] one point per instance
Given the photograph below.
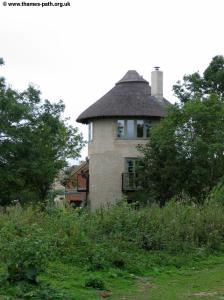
(130, 178)
(133, 129)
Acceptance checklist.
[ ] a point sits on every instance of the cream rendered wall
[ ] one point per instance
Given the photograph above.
(107, 162)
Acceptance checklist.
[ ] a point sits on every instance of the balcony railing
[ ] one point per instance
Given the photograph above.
(130, 182)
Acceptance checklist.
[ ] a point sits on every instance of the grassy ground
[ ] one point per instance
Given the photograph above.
(205, 281)
(201, 284)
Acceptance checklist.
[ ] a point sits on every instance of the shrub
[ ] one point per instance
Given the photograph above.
(45, 292)
(95, 282)
(24, 248)
(25, 255)
(26, 291)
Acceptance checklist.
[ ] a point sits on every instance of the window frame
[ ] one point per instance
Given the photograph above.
(126, 167)
(130, 182)
(146, 122)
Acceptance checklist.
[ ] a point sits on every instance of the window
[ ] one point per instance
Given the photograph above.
(130, 129)
(133, 129)
(90, 133)
(120, 128)
(140, 128)
(130, 165)
(130, 178)
(148, 126)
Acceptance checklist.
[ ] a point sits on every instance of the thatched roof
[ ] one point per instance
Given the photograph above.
(130, 97)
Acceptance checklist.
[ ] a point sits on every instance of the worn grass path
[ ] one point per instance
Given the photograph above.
(204, 284)
(205, 281)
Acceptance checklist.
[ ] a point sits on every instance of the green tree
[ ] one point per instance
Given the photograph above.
(185, 154)
(198, 86)
(35, 142)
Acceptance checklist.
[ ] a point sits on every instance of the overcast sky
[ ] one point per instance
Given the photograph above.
(77, 53)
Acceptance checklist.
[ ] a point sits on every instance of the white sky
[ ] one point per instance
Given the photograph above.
(78, 53)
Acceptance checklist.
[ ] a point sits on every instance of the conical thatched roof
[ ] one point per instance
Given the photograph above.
(130, 97)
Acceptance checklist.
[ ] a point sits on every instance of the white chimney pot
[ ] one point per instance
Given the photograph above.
(157, 83)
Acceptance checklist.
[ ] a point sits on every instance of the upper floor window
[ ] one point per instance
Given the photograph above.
(133, 129)
(90, 131)
(120, 128)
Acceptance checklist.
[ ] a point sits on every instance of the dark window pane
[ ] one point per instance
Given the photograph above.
(130, 165)
(120, 128)
(140, 128)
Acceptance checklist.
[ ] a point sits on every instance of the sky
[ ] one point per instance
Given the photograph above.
(78, 52)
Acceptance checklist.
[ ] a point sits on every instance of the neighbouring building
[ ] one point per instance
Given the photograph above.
(117, 123)
(76, 185)
(71, 185)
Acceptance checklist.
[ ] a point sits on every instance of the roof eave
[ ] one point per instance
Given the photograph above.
(87, 120)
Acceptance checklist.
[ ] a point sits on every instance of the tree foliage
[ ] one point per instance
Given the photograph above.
(185, 154)
(35, 142)
(198, 86)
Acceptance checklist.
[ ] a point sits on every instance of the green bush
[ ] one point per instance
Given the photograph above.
(178, 228)
(44, 292)
(24, 249)
(95, 282)
(27, 291)
(25, 255)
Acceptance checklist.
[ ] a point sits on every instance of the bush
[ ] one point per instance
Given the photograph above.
(24, 249)
(95, 282)
(178, 228)
(26, 291)
(44, 292)
(26, 255)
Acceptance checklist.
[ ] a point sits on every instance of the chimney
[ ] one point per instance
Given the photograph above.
(157, 84)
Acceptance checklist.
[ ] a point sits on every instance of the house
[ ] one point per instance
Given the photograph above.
(117, 123)
(76, 185)
(71, 185)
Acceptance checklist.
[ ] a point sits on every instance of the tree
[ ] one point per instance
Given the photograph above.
(197, 86)
(35, 142)
(185, 154)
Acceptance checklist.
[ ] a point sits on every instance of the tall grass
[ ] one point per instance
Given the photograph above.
(121, 237)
